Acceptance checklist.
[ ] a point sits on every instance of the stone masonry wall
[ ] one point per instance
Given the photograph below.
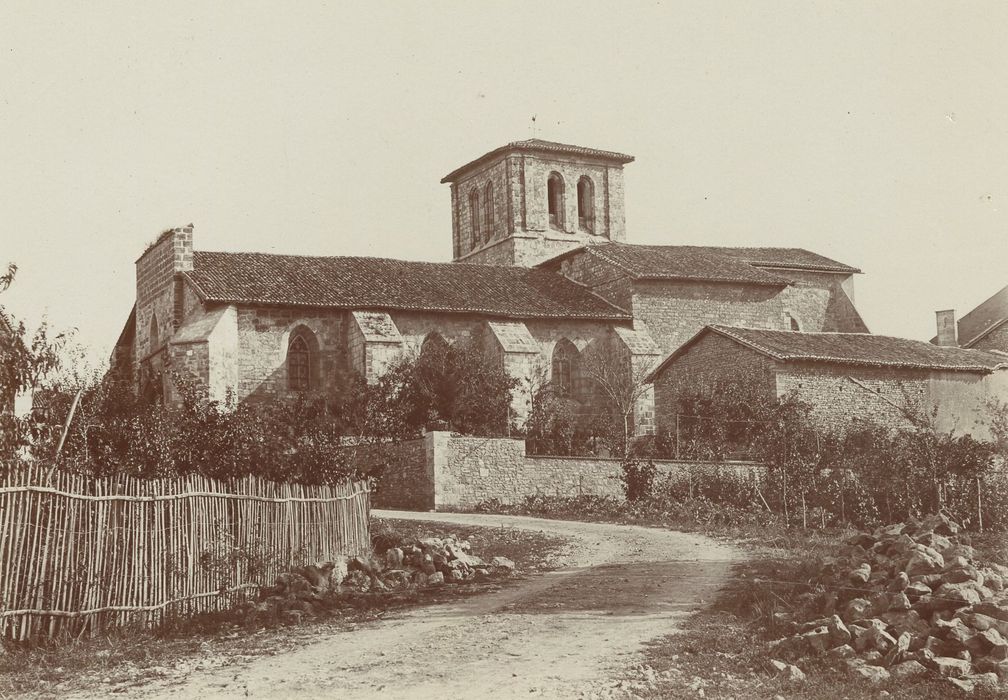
(521, 210)
(997, 339)
(407, 480)
(852, 397)
(710, 359)
(158, 302)
(601, 277)
(676, 311)
(467, 471)
(263, 335)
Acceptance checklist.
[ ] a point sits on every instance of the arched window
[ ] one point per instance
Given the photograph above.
(586, 204)
(474, 218)
(795, 326)
(154, 335)
(565, 367)
(298, 364)
(433, 343)
(488, 205)
(555, 200)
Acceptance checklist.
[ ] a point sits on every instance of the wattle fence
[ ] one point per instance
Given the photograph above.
(79, 555)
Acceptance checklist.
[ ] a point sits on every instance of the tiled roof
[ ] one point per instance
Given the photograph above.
(790, 258)
(386, 284)
(862, 349)
(539, 146)
(663, 262)
(198, 328)
(983, 334)
(981, 319)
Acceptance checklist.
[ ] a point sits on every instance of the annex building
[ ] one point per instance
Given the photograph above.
(542, 274)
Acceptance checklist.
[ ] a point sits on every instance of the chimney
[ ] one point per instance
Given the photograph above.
(947, 328)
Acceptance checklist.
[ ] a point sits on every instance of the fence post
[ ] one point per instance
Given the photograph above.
(979, 506)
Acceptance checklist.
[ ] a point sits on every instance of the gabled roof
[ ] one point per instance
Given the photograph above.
(785, 258)
(981, 320)
(539, 146)
(858, 349)
(387, 284)
(983, 334)
(708, 263)
(198, 327)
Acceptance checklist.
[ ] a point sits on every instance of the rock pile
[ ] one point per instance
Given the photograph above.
(391, 567)
(904, 600)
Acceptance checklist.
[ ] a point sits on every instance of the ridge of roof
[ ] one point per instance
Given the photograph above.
(682, 263)
(981, 335)
(534, 145)
(808, 346)
(708, 263)
(371, 283)
(853, 349)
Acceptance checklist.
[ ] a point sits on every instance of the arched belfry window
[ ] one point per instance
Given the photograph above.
(474, 218)
(795, 326)
(586, 204)
(303, 361)
(555, 200)
(154, 335)
(565, 367)
(488, 206)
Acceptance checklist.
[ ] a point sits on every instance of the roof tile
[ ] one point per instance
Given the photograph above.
(387, 284)
(862, 349)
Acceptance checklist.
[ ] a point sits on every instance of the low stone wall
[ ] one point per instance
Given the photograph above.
(443, 472)
(406, 468)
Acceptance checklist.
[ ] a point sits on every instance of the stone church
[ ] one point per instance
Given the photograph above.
(542, 274)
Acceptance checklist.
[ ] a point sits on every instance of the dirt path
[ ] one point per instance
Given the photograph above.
(557, 635)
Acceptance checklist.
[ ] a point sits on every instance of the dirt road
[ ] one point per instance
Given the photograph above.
(559, 635)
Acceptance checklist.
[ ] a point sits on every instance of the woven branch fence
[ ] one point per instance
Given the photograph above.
(79, 555)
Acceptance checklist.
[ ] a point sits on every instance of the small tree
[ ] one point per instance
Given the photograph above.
(25, 361)
(621, 383)
(456, 386)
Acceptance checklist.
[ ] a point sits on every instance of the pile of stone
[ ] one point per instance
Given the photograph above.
(904, 600)
(392, 566)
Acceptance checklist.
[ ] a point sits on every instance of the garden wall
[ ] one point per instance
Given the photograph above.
(453, 472)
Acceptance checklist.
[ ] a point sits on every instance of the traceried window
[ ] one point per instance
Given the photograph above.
(586, 204)
(298, 364)
(564, 367)
(488, 215)
(555, 200)
(474, 219)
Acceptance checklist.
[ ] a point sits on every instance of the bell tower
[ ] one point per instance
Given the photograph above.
(529, 201)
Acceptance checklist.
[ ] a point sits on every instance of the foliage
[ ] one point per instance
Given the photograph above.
(311, 438)
(457, 387)
(555, 427)
(25, 361)
(638, 478)
(816, 477)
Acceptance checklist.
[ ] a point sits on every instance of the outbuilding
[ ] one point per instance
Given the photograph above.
(848, 379)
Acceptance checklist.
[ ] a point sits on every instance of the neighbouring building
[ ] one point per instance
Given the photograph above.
(848, 379)
(983, 328)
(541, 276)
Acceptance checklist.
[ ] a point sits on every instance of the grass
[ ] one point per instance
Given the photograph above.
(131, 657)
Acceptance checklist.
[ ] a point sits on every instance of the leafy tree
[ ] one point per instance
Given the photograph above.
(458, 387)
(25, 361)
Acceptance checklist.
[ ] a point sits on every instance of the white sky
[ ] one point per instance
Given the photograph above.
(873, 133)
